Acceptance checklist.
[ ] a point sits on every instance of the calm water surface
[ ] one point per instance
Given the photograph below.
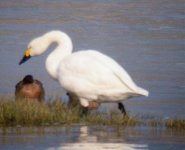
(91, 138)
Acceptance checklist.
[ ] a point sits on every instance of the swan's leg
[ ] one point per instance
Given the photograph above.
(122, 108)
(84, 104)
(73, 100)
(84, 111)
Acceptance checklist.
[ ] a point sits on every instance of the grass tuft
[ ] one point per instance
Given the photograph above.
(178, 124)
(33, 113)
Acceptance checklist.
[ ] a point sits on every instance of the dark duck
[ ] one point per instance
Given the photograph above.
(29, 88)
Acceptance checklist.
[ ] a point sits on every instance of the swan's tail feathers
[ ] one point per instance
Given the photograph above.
(143, 92)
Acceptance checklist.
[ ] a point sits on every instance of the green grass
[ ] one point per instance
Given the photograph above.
(32, 113)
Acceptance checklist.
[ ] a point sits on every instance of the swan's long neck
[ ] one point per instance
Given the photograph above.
(63, 49)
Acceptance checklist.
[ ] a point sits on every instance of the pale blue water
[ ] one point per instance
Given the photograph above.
(146, 37)
(91, 138)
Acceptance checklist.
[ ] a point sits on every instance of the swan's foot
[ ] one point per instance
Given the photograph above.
(122, 109)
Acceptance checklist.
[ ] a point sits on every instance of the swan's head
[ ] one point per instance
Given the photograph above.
(35, 47)
(39, 45)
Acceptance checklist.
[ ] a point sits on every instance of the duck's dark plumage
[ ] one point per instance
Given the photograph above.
(29, 88)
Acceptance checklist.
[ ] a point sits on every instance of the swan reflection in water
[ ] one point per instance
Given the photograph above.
(86, 141)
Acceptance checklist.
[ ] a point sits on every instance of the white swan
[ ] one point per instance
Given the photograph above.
(88, 74)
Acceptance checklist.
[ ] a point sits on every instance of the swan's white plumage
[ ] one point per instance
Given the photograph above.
(89, 74)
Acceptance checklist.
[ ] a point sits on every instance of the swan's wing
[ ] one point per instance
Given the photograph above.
(83, 70)
(118, 71)
(91, 69)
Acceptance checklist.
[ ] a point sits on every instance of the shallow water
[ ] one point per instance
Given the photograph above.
(91, 137)
(147, 38)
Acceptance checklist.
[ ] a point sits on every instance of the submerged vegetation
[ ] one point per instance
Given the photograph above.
(33, 113)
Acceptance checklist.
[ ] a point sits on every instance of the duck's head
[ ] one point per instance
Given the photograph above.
(28, 79)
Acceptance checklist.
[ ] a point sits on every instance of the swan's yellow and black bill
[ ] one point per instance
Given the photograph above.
(25, 57)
